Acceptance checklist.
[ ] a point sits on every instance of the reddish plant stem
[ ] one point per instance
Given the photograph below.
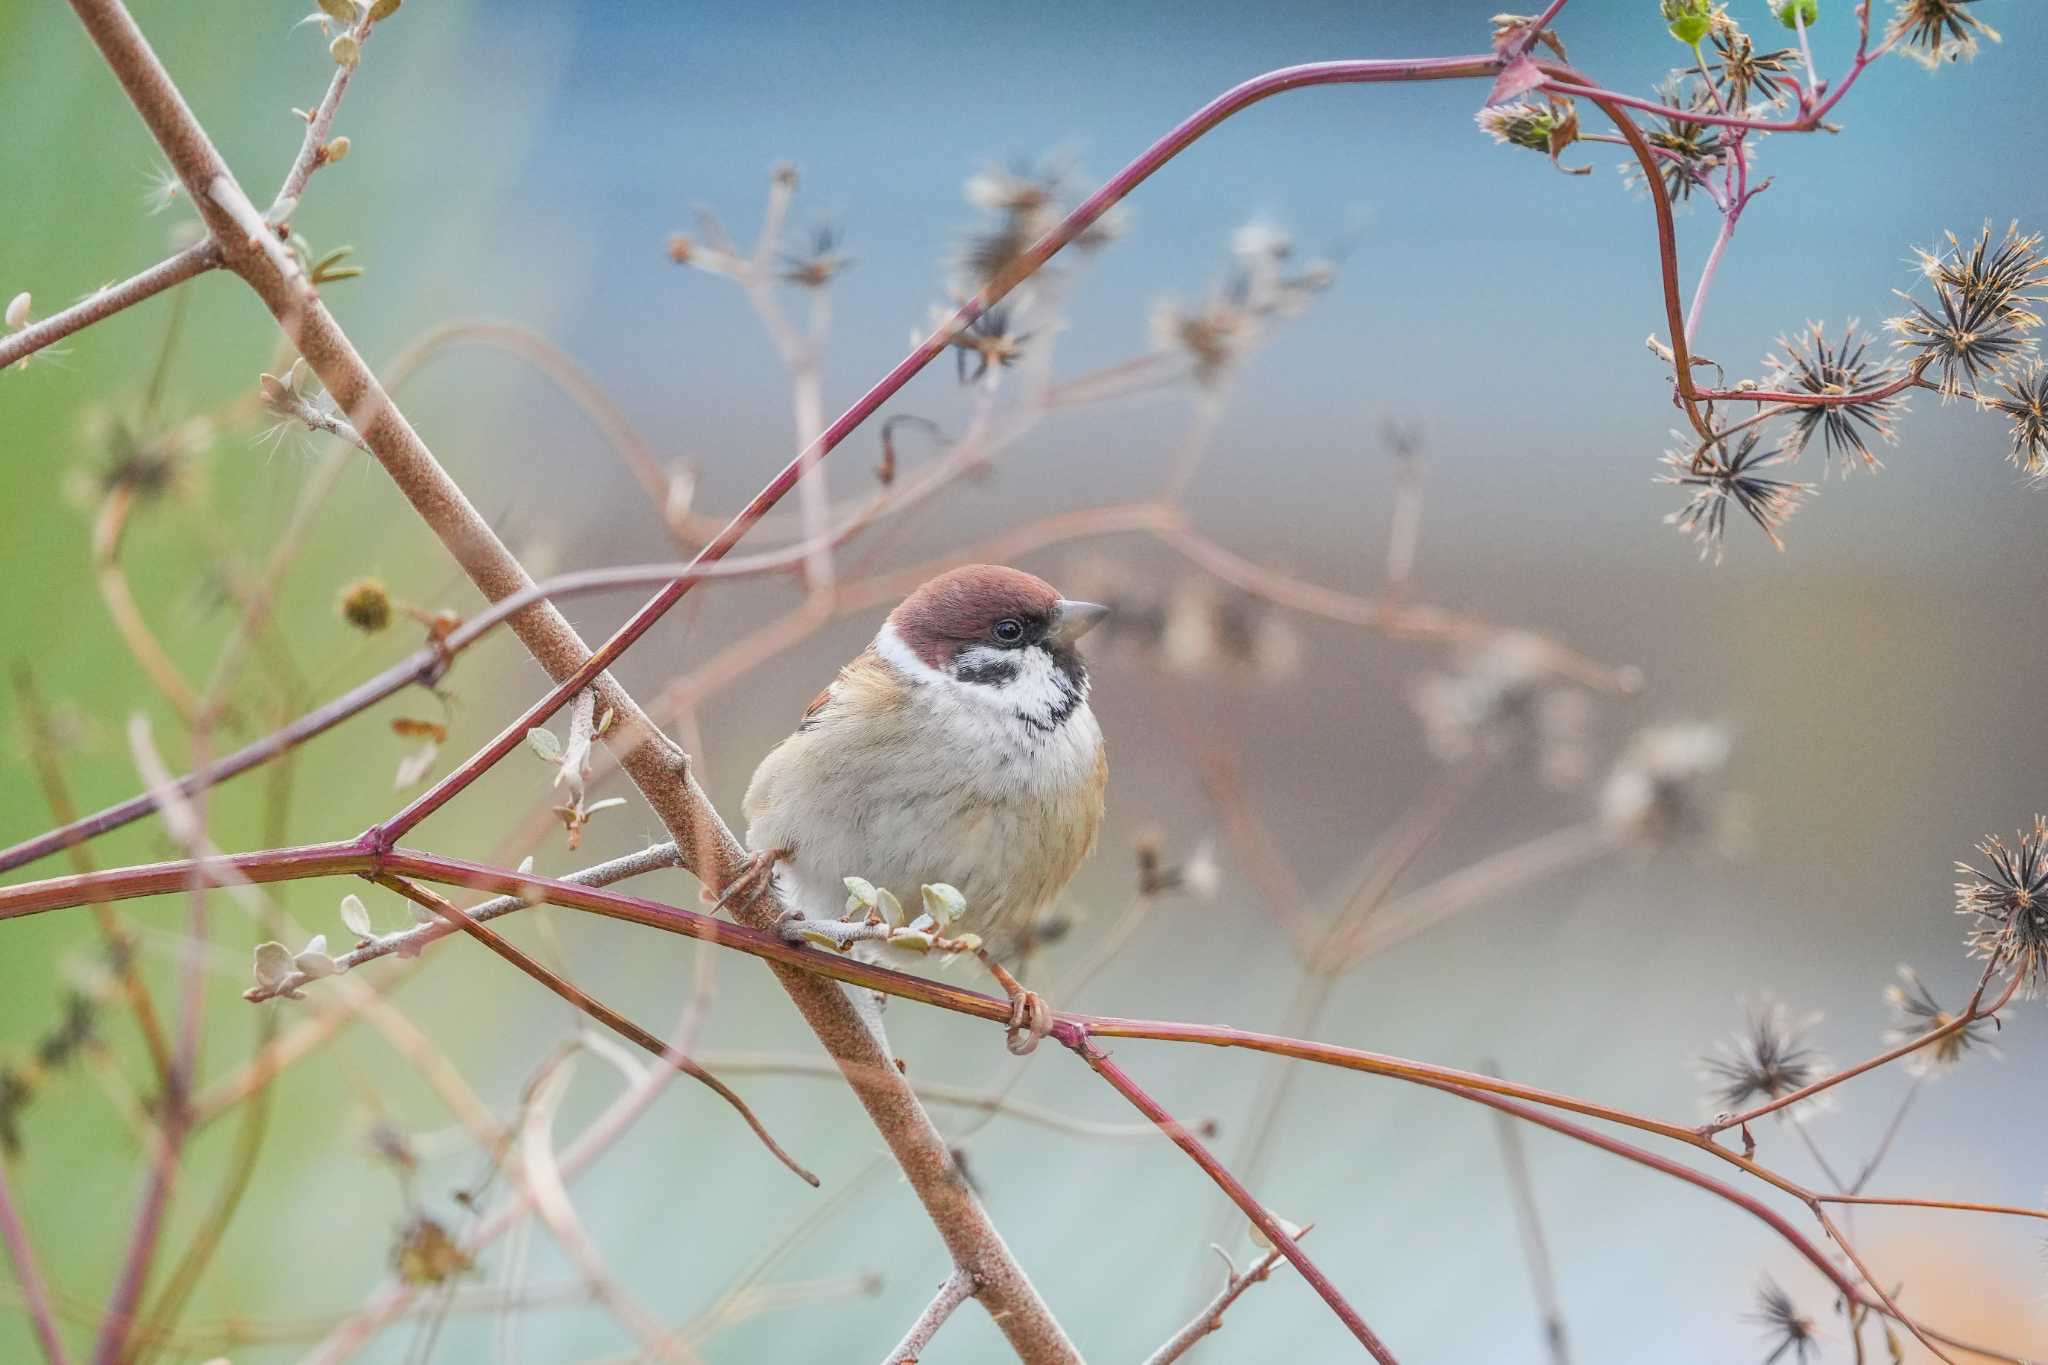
(361, 857)
(28, 1275)
(424, 667)
(1283, 1241)
(1093, 207)
(1976, 1011)
(593, 1007)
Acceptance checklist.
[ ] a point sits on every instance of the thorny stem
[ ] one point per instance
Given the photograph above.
(1281, 1239)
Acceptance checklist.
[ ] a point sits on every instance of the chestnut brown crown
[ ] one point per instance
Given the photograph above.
(987, 605)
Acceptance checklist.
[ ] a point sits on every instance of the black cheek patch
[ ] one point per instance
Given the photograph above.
(994, 673)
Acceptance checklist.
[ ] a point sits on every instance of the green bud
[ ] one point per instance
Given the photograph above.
(1521, 124)
(1689, 20)
(1794, 13)
(346, 51)
(383, 10)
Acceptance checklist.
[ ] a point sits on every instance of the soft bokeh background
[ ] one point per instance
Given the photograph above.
(525, 160)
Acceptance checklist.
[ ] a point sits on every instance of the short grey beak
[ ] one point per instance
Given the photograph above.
(1072, 620)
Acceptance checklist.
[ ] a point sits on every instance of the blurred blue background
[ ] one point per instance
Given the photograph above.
(526, 162)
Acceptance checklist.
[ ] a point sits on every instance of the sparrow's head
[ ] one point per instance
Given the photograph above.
(985, 626)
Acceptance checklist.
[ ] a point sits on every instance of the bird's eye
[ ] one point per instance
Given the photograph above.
(1009, 630)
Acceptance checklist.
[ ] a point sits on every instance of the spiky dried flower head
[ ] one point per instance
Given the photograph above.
(1506, 697)
(1692, 148)
(813, 268)
(1983, 317)
(1918, 1013)
(989, 343)
(1026, 199)
(1789, 1334)
(1812, 364)
(1743, 72)
(143, 465)
(366, 605)
(1722, 480)
(1935, 31)
(2026, 403)
(1771, 1057)
(2007, 903)
(1658, 791)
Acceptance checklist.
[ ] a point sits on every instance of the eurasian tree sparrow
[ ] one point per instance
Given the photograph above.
(957, 748)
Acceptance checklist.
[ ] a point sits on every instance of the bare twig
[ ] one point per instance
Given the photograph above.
(1210, 1318)
(957, 1288)
(104, 303)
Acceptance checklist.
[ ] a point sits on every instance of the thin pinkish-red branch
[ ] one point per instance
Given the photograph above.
(1282, 1239)
(1084, 215)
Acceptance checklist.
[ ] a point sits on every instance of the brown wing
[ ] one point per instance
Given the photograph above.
(817, 705)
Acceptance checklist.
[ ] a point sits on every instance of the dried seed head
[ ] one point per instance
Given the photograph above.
(1917, 1014)
(1983, 314)
(1658, 792)
(1724, 480)
(1790, 1335)
(1935, 31)
(366, 605)
(1811, 364)
(1694, 148)
(1506, 698)
(2026, 403)
(1772, 1057)
(2007, 903)
(815, 268)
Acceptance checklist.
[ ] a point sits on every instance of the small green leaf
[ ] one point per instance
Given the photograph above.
(341, 11)
(383, 10)
(822, 939)
(314, 960)
(891, 909)
(943, 903)
(355, 916)
(545, 742)
(911, 941)
(346, 51)
(273, 964)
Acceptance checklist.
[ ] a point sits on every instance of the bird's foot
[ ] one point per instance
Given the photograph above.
(754, 878)
(1030, 1016)
(1030, 1020)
